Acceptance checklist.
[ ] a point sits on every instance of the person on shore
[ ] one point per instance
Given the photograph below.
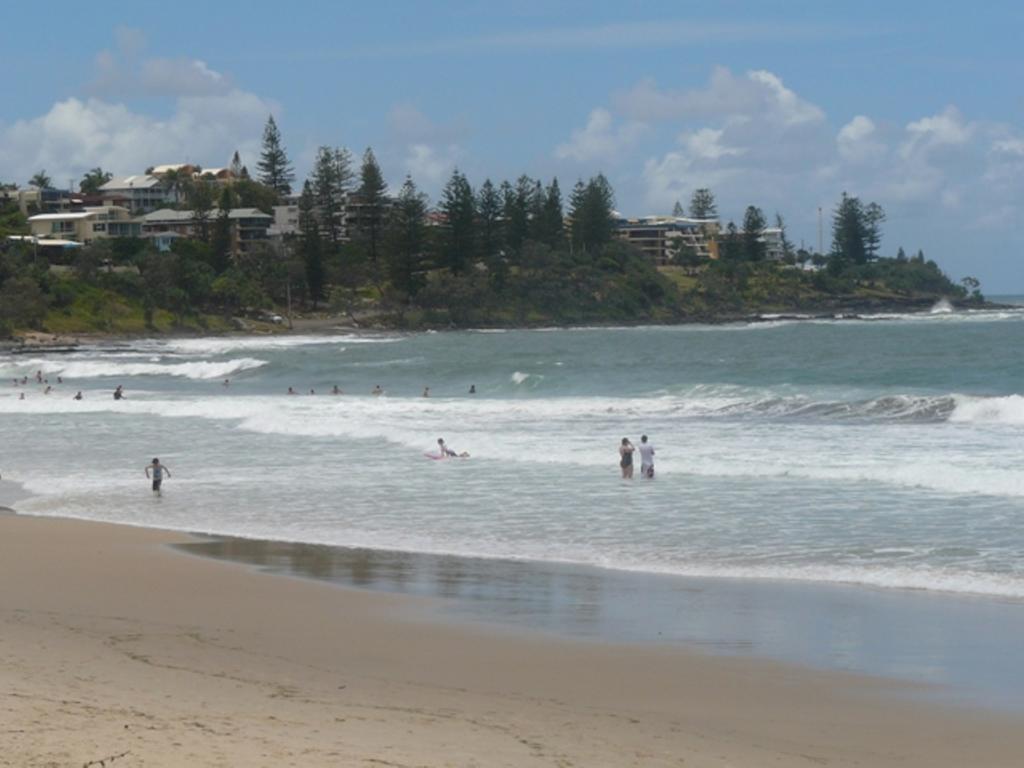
(472, 389)
(646, 458)
(626, 458)
(158, 474)
(377, 390)
(78, 395)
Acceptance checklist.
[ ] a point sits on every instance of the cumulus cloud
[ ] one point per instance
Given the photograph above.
(946, 129)
(755, 93)
(431, 166)
(600, 139)
(124, 73)
(75, 135)
(858, 141)
(208, 119)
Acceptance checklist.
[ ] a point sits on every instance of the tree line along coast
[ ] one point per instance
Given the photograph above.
(515, 253)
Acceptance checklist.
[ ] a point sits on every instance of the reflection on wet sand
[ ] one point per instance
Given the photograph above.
(912, 635)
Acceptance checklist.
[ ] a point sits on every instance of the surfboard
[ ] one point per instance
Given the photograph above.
(437, 456)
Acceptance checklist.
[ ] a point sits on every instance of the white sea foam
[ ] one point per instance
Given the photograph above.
(992, 410)
(73, 368)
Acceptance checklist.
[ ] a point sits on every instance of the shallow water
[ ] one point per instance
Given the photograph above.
(883, 452)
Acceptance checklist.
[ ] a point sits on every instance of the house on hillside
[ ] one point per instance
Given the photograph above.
(86, 225)
(662, 237)
(139, 194)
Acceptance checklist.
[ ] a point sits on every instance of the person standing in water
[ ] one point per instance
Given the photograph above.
(158, 474)
(646, 458)
(626, 458)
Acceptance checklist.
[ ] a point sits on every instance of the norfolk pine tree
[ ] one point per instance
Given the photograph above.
(407, 241)
(274, 169)
(373, 198)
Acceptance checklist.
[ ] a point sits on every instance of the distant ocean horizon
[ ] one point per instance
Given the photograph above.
(882, 452)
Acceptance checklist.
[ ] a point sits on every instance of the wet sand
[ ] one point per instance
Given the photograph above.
(115, 647)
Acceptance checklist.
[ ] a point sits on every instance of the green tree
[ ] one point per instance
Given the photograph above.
(41, 180)
(754, 225)
(329, 192)
(730, 245)
(236, 166)
(516, 212)
(488, 208)
(253, 194)
(310, 248)
(200, 197)
(407, 241)
(220, 244)
(874, 217)
(274, 168)
(22, 303)
(591, 213)
(848, 231)
(678, 211)
(373, 203)
(93, 180)
(459, 207)
(901, 255)
(788, 252)
(551, 225)
(702, 204)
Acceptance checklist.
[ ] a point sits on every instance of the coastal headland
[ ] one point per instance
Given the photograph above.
(116, 648)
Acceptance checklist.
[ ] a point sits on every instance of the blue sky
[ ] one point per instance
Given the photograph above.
(916, 105)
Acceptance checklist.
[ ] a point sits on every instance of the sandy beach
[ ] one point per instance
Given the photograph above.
(116, 648)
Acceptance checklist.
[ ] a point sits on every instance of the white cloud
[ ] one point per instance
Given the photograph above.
(599, 140)
(755, 94)
(857, 141)
(430, 166)
(123, 73)
(946, 129)
(1013, 146)
(706, 144)
(75, 135)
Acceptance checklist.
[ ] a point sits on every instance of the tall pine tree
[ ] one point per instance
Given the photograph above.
(310, 246)
(407, 241)
(373, 202)
(275, 170)
(754, 223)
(459, 207)
(702, 204)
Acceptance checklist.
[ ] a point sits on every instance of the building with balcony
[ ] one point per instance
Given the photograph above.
(86, 225)
(248, 226)
(139, 194)
(664, 237)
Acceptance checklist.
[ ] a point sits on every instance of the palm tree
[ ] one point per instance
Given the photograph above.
(41, 180)
(93, 180)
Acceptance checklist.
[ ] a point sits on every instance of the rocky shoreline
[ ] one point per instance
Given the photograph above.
(38, 341)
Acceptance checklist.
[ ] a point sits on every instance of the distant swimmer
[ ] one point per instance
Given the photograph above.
(158, 474)
(312, 391)
(119, 392)
(472, 389)
(626, 458)
(227, 383)
(78, 395)
(377, 390)
(646, 458)
(336, 391)
(48, 390)
(292, 391)
(21, 396)
(444, 452)
(60, 380)
(426, 391)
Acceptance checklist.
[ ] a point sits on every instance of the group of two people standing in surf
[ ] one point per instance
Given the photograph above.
(626, 450)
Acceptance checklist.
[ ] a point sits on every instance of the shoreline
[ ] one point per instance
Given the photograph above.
(114, 644)
(40, 341)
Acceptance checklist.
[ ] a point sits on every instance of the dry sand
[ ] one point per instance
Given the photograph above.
(117, 649)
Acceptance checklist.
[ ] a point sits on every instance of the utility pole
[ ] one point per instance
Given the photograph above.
(821, 242)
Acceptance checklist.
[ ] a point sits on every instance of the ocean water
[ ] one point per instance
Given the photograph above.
(882, 453)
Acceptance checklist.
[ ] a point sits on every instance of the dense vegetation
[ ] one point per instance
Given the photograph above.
(503, 254)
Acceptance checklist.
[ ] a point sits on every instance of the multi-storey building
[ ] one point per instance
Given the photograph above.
(86, 225)
(664, 237)
(139, 194)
